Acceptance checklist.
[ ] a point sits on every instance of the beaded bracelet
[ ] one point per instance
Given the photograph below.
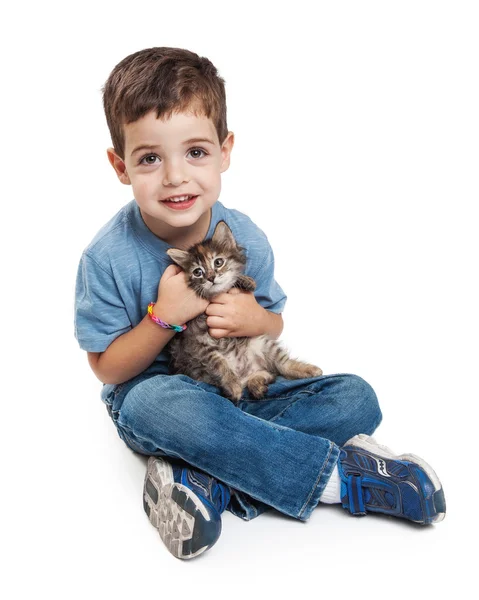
(177, 328)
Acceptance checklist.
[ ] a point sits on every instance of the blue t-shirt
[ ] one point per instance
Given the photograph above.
(121, 268)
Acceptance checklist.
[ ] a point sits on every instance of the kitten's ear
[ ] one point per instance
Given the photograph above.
(223, 235)
(179, 256)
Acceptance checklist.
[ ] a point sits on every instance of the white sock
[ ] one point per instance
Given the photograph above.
(332, 491)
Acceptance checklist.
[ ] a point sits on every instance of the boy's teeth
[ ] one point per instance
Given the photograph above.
(178, 199)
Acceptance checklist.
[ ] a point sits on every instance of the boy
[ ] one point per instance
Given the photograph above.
(308, 440)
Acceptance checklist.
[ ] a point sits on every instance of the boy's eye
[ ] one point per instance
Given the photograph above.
(148, 162)
(145, 160)
(198, 150)
(219, 262)
(198, 272)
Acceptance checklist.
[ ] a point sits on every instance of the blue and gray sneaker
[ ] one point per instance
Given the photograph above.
(373, 479)
(184, 505)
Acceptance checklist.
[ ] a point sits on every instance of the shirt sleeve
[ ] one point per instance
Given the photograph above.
(100, 315)
(268, 292)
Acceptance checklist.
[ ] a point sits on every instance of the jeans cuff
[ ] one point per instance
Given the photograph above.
(320, 484)
(243, 506)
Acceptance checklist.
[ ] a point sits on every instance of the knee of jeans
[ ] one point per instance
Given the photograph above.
(161, 405)
(363, 401)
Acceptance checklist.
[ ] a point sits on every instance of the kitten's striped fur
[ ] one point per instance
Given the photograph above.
(228, 363)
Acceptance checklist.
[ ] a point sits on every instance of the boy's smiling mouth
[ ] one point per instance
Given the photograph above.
(180, 202)
(178, 198)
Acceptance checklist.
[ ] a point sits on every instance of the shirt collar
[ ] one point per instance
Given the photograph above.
(153, 243)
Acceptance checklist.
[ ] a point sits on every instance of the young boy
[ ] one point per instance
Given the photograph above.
(308, 440)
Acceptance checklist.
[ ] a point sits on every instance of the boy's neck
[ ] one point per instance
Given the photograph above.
(180, 237)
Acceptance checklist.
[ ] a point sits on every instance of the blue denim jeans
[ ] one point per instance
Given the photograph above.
(277, 452)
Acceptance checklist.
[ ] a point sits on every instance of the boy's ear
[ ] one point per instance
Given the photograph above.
(118, 164)
(180, 257)
(226, 148)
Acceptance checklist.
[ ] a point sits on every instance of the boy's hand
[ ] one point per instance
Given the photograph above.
(177, 303)
(235, 314)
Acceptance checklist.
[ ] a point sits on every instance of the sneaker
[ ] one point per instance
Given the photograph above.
(373, 479)
(184, 505)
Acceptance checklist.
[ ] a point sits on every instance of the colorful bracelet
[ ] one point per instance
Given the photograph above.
(177, 328)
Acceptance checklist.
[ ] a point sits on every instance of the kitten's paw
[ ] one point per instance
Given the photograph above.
(258, 390)
(233, 392)
(257, 384)
(296, 369)
(246, 283)
(315, 371)
(311, 371)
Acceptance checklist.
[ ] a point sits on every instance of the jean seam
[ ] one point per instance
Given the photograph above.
(130, 432)
(254, 512)
(318, 479)
(332, 376)
(298, 397)
(110, 399)
(267, 422)
(252, 401)
(308, 392)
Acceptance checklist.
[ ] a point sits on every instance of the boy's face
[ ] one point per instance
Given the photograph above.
(173, 166)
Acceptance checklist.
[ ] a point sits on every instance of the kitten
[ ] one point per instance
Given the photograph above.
(215, 266)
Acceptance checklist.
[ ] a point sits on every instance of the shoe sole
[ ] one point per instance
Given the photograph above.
(182, 520)
(438, 500)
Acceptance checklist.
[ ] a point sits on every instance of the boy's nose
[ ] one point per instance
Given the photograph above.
(174, 174)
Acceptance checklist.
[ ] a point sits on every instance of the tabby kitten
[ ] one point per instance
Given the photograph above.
(215, 266)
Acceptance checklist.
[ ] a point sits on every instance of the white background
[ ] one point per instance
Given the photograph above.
(356, 151)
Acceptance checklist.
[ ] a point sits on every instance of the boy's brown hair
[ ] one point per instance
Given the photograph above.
(166, 80)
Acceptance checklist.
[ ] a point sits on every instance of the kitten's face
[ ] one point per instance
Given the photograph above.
(212, 266)
(211, 272)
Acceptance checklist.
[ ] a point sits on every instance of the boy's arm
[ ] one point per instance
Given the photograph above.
(130, 353)
(134, 351)
(273, 324)
(117, 350)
